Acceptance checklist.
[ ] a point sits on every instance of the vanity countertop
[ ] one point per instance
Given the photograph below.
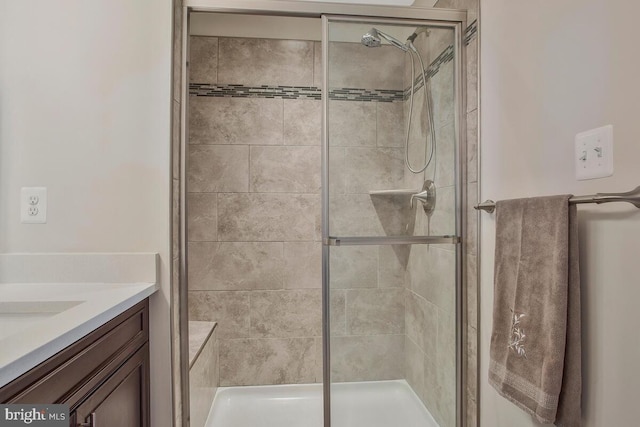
(37, 320)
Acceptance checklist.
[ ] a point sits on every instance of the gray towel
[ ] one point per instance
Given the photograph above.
(535, 356)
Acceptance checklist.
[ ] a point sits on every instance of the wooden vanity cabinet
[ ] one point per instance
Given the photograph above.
(103, 377)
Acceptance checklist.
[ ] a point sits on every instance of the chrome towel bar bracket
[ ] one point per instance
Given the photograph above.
(632, 197)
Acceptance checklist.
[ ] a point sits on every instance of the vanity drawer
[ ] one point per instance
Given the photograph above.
(72, 373)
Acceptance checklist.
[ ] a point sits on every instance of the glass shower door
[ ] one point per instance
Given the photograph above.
(391, 222)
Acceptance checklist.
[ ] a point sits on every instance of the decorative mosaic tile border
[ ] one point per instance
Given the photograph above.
(367, 95)
(313, 92)
(471, 32)
(294, 92)
(264, 91)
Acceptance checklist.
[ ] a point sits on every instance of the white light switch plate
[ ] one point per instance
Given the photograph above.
(594, 153)
(33, 205)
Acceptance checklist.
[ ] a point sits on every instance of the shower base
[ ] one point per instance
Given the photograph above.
(357, 404)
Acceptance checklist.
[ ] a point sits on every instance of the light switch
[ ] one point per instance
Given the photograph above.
(594, 153)
(33, 205)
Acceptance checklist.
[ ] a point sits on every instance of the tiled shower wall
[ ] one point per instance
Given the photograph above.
(254, 213)
(254, 210)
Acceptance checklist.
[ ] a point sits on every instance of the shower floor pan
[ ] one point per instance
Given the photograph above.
(357, 404)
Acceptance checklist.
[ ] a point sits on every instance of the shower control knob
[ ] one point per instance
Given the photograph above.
(427, 197)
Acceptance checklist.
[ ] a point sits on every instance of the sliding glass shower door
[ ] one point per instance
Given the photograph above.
(391, 222)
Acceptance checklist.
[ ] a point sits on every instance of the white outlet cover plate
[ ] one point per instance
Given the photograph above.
(593, 155)
(26, 203)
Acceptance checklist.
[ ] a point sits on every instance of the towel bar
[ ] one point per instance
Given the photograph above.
(632, 197)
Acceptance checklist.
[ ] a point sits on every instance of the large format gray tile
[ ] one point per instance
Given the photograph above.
(267, 361)
(368, 169)
(235, 265)
(202, 219)
(472, 290)
(199, 333)
(414, 366)
(268, 217)
(392, 265)
(442, 91)
(354, 267)
(203, 59)
(253, 121)
(472, 75)
(367, 358)
(472, 146)
(352, 123)
(471, 245)
(472, 413)
(445, 361)
(421, 323)
(285, 169)
(390, 124)
(432, 389)
(218, 168)
(472, 363)
(265, 62)
(443, 219)
(303, 265)
(302, 122)
(432, 275)
(338, 312)
(229, 309)
(352, 65)
(375, 311)
(337, 171)
(203, 382)
(364, 215)
(317, 64)
(445, 156)
(288, 313)
(319, 360)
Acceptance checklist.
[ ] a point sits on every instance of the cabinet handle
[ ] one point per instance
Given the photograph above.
(91, 423)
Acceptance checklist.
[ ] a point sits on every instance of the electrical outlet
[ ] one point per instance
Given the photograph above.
(33, 205)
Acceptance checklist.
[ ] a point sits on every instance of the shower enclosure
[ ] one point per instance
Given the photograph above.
(391, 222)
(356, 170)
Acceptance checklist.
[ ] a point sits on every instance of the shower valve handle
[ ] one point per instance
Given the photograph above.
(427, 197)
(423, 196)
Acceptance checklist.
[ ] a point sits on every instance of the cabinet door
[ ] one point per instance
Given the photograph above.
(123, 399)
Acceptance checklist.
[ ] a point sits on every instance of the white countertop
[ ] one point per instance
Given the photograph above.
(37, 320)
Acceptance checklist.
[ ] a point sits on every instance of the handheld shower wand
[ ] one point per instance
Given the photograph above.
(373, 38)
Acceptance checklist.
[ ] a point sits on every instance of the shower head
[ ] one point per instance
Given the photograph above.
(373, 38)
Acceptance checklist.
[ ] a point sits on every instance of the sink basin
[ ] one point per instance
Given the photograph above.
(16, 315)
